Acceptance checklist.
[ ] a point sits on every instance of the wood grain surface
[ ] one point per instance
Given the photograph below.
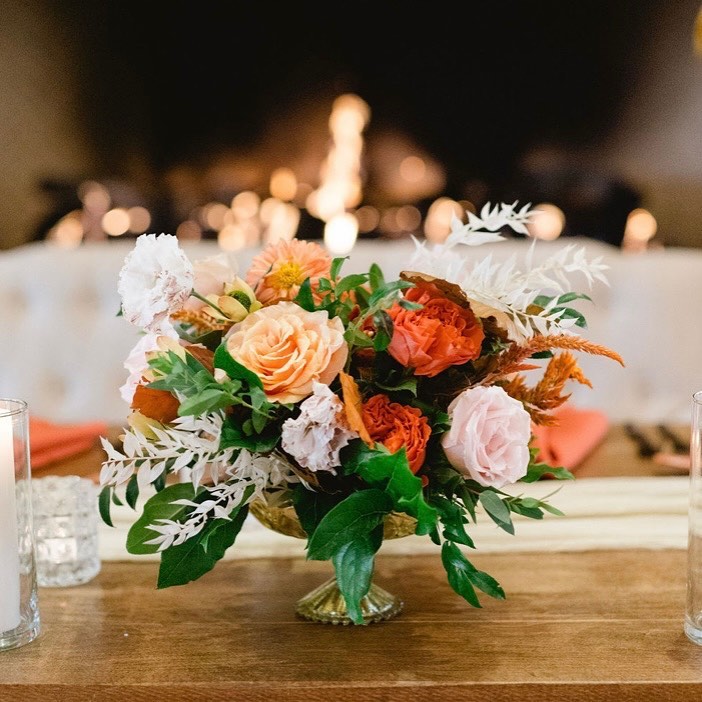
(600, 625)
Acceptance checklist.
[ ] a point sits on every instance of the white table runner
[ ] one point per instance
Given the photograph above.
(600, 513)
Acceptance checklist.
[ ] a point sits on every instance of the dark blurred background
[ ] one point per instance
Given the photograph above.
(157, 114)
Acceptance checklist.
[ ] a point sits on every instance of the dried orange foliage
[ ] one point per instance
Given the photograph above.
(547, 394)
(353, 406)
(201, 321)
(512, 360)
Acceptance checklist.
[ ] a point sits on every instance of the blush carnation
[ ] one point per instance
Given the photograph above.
(316, 436)
(489, 436)
(439, 335)
(155, 281)
(289, 349)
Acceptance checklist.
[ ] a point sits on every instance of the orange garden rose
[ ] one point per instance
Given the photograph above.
(395, 425)
(278, 271)
(289, 349)
(439, 335)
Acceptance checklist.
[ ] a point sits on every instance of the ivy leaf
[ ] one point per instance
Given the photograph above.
(354, 518)
(158, 507)
(198, 555)
(497, 510)
(353, 565)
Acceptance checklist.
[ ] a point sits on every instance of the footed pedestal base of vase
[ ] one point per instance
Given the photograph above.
(326, 604)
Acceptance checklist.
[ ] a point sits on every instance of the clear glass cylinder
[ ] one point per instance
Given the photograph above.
(693, 610)
(19, 607)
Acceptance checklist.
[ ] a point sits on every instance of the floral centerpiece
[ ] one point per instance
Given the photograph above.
(345, 399)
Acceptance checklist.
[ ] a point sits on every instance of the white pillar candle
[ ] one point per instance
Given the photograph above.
(10, 617)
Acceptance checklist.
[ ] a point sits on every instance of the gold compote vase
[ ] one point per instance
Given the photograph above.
(325, 603)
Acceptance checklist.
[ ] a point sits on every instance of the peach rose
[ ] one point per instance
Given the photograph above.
(439, 335)
(289, 349)
(280, 269)
(489, 436)
(395, 425)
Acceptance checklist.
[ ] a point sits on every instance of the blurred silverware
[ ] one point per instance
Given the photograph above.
(645, 446)
(679, 445)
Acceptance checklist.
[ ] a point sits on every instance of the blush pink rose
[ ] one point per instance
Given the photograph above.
(289, 349)
(489, 436)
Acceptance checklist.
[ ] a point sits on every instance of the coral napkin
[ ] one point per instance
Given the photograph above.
(576, 435)
(50, 442)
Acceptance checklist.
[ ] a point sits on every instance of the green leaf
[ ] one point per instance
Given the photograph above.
(104, 502)
(388, 290)
(312, 506)
(409, 305)
(408, 384)
(198, 555)
(463, 575)
(570, 296)
(453, 520)
(348, 521)
(234, 437)
(542, 354)
(456, 566)
(158, 507)
(350, 282)
(376, 277)
(551, 509)
(132, 492)
(383, 330)
(536, 471)
(336, 265)
(223, 360)
(353, 565)
(497, 510)
(115, 499)
(390, 472)
(304, 296)
(207, 401)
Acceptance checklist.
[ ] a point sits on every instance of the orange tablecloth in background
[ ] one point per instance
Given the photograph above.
(50, 442)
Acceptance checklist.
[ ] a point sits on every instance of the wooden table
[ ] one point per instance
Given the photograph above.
(600, 625)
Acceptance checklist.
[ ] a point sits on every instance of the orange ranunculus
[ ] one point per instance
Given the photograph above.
(439, 335)
(395, 425)
(280, 269)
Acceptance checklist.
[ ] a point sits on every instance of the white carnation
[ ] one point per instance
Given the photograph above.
(156, 280)
(315, 438)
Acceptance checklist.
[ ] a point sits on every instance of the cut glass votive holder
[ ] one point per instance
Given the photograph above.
(66, 520)
(19, 605)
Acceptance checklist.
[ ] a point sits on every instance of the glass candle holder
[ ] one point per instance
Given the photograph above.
(19, 609)
(66, 530)
(693, 610)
